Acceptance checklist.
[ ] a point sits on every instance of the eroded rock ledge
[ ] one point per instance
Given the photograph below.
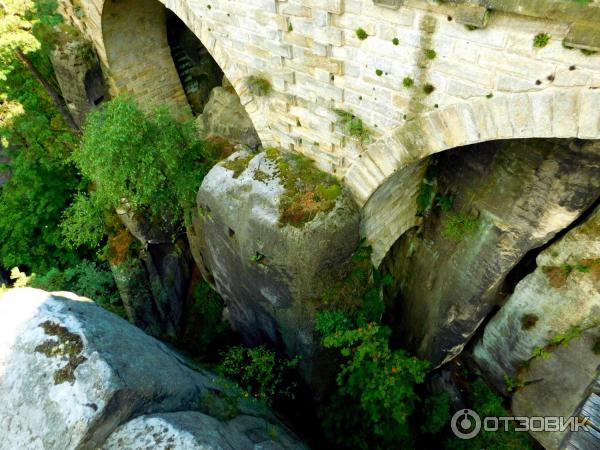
(73, 375)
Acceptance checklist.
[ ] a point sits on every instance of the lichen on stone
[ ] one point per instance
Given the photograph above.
(238, 165)
(308, 191)
(67, 345)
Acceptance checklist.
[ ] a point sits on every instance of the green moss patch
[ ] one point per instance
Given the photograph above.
(238, 165)
(458, 226)
(67, 345)
(308, 191)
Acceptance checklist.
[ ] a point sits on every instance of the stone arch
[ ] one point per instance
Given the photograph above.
(136, 52)
(385, 178)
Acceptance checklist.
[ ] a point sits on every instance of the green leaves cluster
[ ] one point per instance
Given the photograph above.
(153, 164)
(378, 380)
(259, 372)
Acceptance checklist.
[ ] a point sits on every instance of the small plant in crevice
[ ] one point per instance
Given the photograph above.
(257, 257)
(490, 95)
(378, 72)
(352, 125)
(587, 52)
(471, 27)
(460, 225)
(396, 41)
(290, 27)
(408, 82)
(540, 40)
(258, 86)
(430, 53)
(539, 352)
(512, 384)
(428, 88)
(361, 34)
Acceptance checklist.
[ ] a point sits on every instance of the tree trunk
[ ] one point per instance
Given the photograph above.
(52, 92)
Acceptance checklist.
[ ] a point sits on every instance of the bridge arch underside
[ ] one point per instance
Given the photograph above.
(460, 228)
(138, 54)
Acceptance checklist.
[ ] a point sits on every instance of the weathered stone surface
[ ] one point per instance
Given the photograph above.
(78, 74)
(71, 373)
(269, 274)
(225, 117)
(556, 385)
(196, 431)
(517, 195)
(562, 294)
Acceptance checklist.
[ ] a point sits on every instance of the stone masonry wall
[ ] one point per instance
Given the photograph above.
(490, 83)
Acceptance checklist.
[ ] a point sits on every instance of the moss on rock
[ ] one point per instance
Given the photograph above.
(67, 345)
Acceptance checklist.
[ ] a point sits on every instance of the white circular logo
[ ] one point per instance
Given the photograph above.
(465, 424)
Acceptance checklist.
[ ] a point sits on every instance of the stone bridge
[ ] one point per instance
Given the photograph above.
(476, 76)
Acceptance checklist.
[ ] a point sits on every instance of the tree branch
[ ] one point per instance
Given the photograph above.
(56, 97)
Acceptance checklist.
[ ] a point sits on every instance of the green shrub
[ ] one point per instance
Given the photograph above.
(428, 88)
(458, 226)
(378, 72)
(361, 34)
(430, 53)
(259, 372)
(540, 40)
(436, 409)
(352, 125)
(396, 41)
(375, 395)
(408, 82)
(129, 154)
(258, 86)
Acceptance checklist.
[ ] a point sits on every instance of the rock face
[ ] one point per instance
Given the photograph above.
(555, 386)
(72, 373)
(271, 274)
(196, 431)
(562, 295)
(225, 117)
(79, 75)
(509, 197)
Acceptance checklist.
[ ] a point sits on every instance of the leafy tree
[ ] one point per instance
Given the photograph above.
(37, 138)
(375, 396)
(152, 164)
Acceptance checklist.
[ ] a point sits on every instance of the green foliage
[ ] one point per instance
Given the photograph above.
(361, 34)
(587, 52)
(129, 155)
(37, 140)
(378, 381)
(82, 223)
(540, 40)
(596, 346)
(425, 197)
(436, 410)
(378, 72)
(258, 86)
(259, 372)
(352, 125)
(486, 403)
(308, 190)
(460, 225)
(445, 202)
(539, 352)
(565, 338)
(408, 82)
(396, 41)
(86, 279)
(204, 328)
(430, 53)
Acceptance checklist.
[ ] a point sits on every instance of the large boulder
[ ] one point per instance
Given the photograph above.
(72, 373)
(510, 197)
(196, 431)
(560, 297)
(271, 233)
